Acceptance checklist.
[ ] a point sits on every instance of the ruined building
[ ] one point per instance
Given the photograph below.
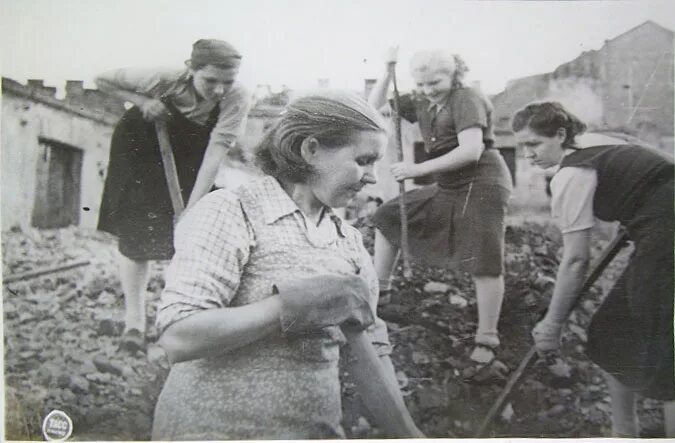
(54, 153)
(626, 86)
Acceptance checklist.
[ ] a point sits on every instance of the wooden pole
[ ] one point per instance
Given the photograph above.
(405, 252)
(169, 163)
(43, 271)
(516, 378)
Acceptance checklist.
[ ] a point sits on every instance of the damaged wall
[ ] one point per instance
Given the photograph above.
(627, 86)
(44, 143)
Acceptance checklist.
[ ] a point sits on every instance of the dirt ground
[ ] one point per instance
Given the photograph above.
(61, 334)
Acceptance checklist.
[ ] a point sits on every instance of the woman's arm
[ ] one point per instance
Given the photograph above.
(569, 280)
(206, 176)
(234, 108)
(378, 95)
(571, 274)
(217, 331)
(110, 88)
(468, 152)
(379, 389)
(136, 86)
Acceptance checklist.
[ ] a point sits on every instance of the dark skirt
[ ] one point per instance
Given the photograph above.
(460, 228)
(136, 205)
(631, 335)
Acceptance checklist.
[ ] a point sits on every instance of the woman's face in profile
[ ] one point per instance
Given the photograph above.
(541, 150)
(341, 172)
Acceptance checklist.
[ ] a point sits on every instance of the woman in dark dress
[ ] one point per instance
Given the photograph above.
(205, 111)
(631, 335)
(457, 222)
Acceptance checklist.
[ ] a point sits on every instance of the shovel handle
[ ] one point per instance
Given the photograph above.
(619, 241)
(170, 171)
(405, 251)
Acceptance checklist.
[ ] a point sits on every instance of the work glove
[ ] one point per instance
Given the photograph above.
(546, 335)
(313, 303)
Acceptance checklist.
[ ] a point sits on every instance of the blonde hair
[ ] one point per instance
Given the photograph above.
(440, 60)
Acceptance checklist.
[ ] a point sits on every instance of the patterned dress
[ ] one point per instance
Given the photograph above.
(231, 248)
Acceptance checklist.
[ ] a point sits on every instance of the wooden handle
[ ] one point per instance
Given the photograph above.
(170, 170)
(607, 256)
(405, 252)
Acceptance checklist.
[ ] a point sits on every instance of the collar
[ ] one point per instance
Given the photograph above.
(280, 204)
(435, 108)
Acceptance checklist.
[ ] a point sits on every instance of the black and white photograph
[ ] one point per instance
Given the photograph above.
(337, 219)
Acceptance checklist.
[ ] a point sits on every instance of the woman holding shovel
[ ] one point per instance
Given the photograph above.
(631, 334)
(458, 221)
(204, 110)
(267, 282)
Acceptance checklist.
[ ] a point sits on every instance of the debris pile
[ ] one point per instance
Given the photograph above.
(61, 333)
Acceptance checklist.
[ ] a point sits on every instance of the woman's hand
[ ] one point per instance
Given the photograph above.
(391, 56)
(546, 335)
(154, 109)
(404, 170)
(313, 303)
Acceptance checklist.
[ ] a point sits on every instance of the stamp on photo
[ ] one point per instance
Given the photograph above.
(57, 426)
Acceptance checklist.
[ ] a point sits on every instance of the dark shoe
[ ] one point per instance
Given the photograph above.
(132, 341)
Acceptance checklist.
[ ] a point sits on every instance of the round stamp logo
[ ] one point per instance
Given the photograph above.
(57, 425)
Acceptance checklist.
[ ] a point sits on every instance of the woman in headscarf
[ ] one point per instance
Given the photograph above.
(205, 111)
(267, 282)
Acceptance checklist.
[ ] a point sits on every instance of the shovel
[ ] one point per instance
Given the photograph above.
(405, 252)
(516, 378)
(170, 171)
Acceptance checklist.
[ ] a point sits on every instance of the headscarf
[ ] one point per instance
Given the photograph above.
(214, 52)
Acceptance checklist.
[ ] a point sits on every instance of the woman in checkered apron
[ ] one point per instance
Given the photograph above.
(267, 283)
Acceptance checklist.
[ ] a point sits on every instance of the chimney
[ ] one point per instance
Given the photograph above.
(368, 86)
(74, 90)
(39, 88)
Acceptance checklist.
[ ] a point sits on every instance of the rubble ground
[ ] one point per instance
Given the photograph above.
(61, 336)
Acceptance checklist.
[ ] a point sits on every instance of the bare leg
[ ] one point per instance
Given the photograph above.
(669, 418)
(624, 414)
(134, 278)
(385, 259)
(489, 296)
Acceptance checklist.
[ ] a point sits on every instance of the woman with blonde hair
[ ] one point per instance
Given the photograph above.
(457, 222)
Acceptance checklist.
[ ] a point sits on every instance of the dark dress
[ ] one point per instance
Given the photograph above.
(457, 222)
(136, 206)
(631, 335)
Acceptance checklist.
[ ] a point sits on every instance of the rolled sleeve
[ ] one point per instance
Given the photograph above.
(212, 244)
(231, 123)
(148, 82)
(469, 110)
(572, 192)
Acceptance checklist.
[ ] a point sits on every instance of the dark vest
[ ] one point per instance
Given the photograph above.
(626, 176)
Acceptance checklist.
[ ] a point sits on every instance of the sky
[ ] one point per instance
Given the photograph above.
(296, 42)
